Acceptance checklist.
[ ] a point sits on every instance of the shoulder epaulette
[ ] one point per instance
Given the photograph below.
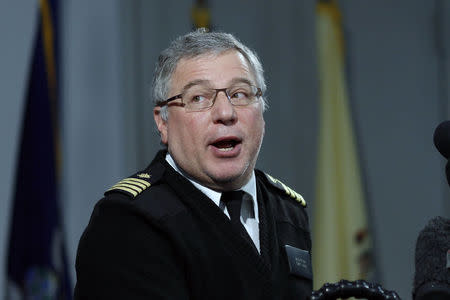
(137, 183)
(281, 186)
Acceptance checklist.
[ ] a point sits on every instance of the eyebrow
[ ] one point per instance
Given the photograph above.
(208, 83)
(194, 83)
(241, 80)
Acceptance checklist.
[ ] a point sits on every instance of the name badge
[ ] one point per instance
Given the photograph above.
(299, 262)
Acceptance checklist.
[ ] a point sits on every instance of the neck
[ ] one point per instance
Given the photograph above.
(231, 185)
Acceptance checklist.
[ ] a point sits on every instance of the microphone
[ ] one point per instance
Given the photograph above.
(441, 140)
(432, 261)
(432, 256)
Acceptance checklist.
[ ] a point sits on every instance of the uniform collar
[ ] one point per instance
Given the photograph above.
(249, 187)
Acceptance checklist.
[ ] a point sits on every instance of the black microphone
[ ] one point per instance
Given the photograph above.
(441, 140)
(432, 256)
(432, 261)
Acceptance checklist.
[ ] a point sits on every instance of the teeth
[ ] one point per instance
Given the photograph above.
(225, 149)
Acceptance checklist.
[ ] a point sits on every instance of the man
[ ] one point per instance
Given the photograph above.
(200, 222)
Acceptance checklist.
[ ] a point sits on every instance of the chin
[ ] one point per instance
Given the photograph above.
(230, 180)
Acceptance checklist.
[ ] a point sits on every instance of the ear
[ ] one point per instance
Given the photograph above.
(161, 124)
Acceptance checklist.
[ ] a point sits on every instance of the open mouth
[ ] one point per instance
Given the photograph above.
(226, 145)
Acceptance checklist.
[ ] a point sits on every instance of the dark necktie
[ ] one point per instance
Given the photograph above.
(233, 202)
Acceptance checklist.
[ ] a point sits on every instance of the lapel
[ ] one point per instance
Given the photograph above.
(266, 226)
(209, 212)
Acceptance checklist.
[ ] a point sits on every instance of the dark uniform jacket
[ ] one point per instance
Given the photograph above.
(155, 236)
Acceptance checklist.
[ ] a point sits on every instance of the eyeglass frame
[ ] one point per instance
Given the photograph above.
(224, 90)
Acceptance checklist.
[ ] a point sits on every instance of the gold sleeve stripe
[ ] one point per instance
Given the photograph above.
(133, 186)
(290, 192)
(137, 183)
(129, 186)
(271, 178)
(137, 180)
(134, 193)
(300, 199)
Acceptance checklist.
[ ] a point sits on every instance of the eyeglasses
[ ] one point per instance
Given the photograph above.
(199, 97)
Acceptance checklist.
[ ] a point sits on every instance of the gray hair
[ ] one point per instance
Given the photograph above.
(197, 43)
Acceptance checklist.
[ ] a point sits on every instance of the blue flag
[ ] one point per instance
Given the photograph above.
(37, 264)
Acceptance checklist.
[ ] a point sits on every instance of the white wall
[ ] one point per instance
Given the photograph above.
(393, 71)
(93, 133)
(91, 103)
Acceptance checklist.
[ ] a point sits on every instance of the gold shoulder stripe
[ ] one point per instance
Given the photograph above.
(136, 183)
(290, 192)
(137, 180)
(132, 192)
(131, 186)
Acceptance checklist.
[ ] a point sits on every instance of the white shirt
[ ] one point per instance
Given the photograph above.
(249, 209)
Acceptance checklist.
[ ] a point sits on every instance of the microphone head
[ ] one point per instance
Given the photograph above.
(432, 264)
(441, 138)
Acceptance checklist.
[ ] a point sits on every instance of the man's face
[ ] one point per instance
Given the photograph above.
(217, 147)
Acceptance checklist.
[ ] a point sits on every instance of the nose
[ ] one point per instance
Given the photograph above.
(223, 111)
